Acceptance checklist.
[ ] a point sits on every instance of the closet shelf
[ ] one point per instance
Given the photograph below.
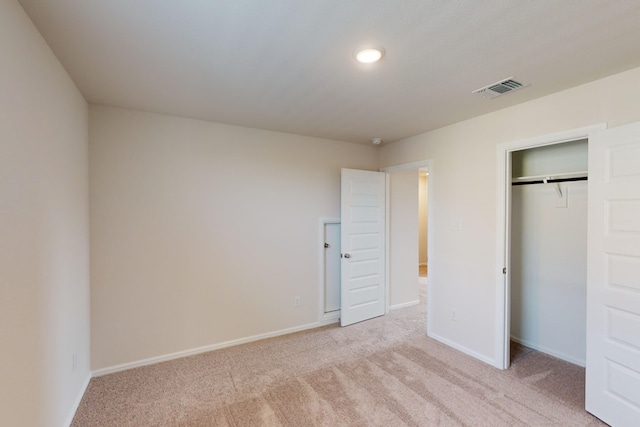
(563, 175)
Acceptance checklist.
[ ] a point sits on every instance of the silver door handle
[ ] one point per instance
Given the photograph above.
(347, 255)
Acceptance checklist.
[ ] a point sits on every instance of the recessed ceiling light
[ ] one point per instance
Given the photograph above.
(376, 141)
(368, 54)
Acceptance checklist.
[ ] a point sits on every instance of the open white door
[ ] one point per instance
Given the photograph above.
(613, 283)
(362, 246)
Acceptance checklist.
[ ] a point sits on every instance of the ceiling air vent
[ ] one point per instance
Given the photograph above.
(500, 88)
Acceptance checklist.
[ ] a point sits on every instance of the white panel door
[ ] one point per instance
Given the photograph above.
(613, 282)
(363, 246)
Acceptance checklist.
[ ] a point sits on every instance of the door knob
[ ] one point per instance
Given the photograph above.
(347, 255)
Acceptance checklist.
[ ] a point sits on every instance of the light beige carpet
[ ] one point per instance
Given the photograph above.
(383, 372)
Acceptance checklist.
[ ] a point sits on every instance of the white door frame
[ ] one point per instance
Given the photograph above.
(422, 164)
(503, 227)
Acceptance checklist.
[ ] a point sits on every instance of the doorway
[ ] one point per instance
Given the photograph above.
(548, 230)
(504, 292)
(408, 238)
(405, 288)
(423, 233)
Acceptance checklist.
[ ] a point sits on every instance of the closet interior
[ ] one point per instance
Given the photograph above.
(549, 249)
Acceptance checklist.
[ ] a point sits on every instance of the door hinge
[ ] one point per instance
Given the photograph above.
(504, 270)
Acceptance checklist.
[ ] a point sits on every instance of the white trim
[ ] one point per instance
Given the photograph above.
(207, 348)
(503, 153)
(542, 349)
(464, 350)
(323, 222)
(406, 166)
(76, 403)
(404, 304)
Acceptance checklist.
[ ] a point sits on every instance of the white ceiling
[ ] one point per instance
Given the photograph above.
(287, 65)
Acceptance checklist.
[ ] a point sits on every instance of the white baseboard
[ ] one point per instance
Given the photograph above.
(76, 403)
(204, 349)
(465, 350)
(404, 304)
(550, 352)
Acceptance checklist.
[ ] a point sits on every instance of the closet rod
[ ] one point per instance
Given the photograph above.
(553, 180)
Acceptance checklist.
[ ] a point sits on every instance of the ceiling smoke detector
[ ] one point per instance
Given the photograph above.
(376, 141)
(500, 88)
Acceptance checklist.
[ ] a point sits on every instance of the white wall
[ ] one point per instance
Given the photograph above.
(44, 231)
(551, 159)
(549, 269)
(462, 267)
(203, 233)
(403, 237)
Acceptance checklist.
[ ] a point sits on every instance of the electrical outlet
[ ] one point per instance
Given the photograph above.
(454, 315)
(296, 301)
(74, 362)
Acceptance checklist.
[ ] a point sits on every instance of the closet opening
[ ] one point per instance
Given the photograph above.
(548, 250)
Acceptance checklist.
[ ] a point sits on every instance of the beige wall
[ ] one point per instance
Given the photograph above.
(44, 231)
(403, 237)
(462, 267)
(203, 233)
